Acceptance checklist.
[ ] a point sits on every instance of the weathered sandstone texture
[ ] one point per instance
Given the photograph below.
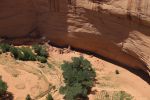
(115, 29)
(17, 17)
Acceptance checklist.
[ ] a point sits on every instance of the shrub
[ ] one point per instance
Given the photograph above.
(3, 87)
(23, 53)
(114, 95)
(79, 78)
(117, 72)
(16, 53)
(28, 55)
(40, 50)
(28, 97)
(1, 51)
(41, 59)
(122, 95)
(37, 48)
(49, 65)
(43, 53)
(49, 97)
(5, 47)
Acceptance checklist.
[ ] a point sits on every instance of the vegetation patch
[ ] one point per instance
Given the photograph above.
(4, 94)
(40, 50)
(28, 97)
(36, 53)
(5, 47)
(114, 95)
(3, 87)
(27, 54)
(49, 97)
(117, 72)
(79, 78)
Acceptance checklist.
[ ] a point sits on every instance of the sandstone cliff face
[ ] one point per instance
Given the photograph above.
(115, 29)
(17, 17)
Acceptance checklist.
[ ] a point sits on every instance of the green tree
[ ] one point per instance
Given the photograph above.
(79, 78)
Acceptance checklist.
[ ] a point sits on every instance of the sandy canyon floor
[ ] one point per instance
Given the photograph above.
(37, 79)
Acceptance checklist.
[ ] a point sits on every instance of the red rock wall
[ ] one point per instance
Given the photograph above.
(17, 17)
(116, 29)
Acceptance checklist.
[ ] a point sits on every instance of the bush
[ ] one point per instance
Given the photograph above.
(23, 53)
(49, 97)
(43, 53)
(1, 51)
(3, 87)
(5, 47)
(28, 97)
(28, 54)
(114, 95)
(122, 95)
(41, 59)
(37, 48)
(117, 72)
(16, 53)
(40, 50)
(4, 94)
(79, 78)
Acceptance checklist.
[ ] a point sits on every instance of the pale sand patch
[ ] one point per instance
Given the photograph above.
(30, 78)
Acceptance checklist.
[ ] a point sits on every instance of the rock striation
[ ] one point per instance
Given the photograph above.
(116, 29)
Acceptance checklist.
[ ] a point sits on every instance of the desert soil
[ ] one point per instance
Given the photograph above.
(36, 79)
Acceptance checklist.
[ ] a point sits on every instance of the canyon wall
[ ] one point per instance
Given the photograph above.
(116, 29)
(17, 18)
